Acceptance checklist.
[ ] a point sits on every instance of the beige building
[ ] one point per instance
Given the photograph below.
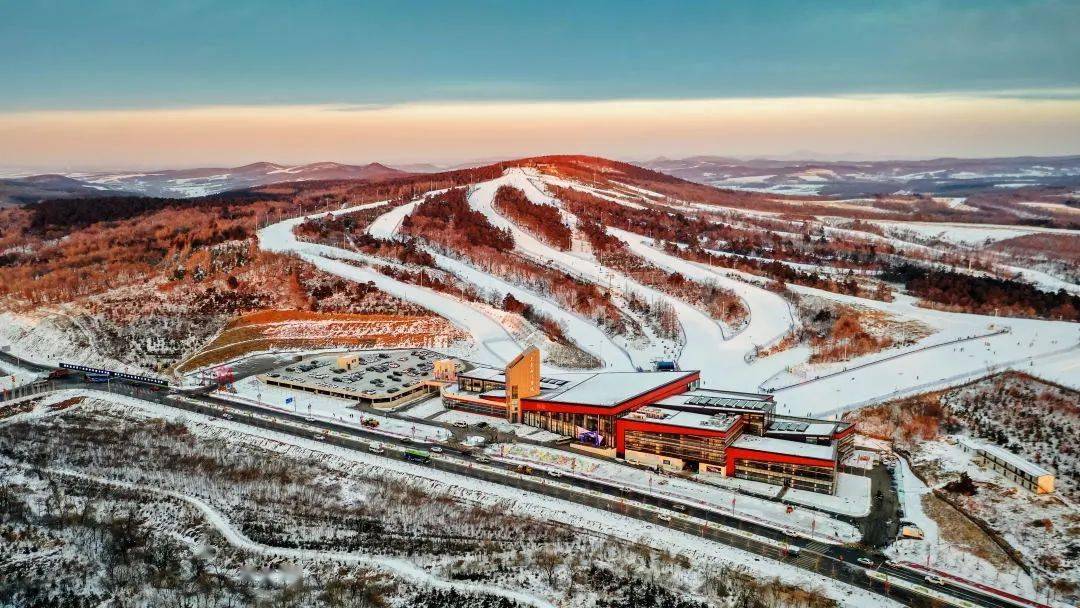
(1014, 468)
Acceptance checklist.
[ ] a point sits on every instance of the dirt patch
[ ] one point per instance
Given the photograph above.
(298, 330)
(960, 531)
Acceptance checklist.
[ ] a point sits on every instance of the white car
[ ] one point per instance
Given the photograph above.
(461, 424)
(934, 579)
(318, 436)
(866, 561)
(554, 473)
(435, 449)
(664, 517)
(376, 448)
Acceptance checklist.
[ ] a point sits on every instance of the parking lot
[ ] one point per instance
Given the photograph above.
(382, 379)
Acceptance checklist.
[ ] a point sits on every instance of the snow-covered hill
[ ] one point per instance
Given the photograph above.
(943, 176)
(185, 183)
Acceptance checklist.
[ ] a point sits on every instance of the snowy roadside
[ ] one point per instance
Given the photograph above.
(702, 552)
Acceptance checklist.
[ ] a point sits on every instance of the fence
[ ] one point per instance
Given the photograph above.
(885, 359)
(26, 390)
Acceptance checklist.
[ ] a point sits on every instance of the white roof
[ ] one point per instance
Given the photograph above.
(820, 429)
(693, 420)
(611, 388)
(783, 446)
(1017, 462)
(720, 400)
(483, 373)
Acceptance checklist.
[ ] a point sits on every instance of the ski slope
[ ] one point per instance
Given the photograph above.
(702, 334)
(584, 333)
(1028, 346)
(495, 345)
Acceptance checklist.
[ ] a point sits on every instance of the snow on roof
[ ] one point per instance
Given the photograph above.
(797, 426)
(693, 420)
(999, 453)
(498, 375)
(721, 400)
(484, 373)
(773, 445)
(612, 388)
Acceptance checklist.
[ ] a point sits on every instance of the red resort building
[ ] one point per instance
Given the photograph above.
(663, 420)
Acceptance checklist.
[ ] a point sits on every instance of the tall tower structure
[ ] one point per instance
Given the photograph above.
(522, 381)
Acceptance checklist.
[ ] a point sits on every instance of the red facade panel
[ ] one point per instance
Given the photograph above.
(844, 433)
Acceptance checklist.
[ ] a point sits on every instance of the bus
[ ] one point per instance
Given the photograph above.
(417, 456)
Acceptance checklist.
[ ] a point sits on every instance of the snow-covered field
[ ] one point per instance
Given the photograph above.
(759, 510)
(251, 391)
(428, 408)
(495, 345)
(701, 552)
(12, 376)
(938, 552)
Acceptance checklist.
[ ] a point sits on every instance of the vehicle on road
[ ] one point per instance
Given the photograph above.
(59, 373)
(376, 448)
(318, 437)
(227, 416)
(95, 378)
(461, 424)
(934, 579)
(554, 473)
(483, 459)
(309, 418)
(866, 561)
(678, 507)
(524, 468)
(419, 456)
(481, 425)
(664, 517)
(436, 449)
(793, 551)
(371, 423)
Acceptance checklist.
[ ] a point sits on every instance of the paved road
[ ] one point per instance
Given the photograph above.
(837, 562)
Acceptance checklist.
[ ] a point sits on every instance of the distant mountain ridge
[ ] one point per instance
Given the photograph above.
(180, 183)
(17, 191)
(941, 176)
(186, 183)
